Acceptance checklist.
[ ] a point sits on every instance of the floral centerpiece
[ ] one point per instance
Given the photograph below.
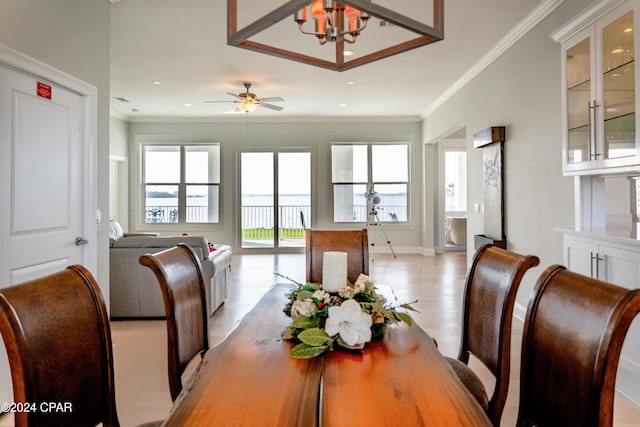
(349, 318)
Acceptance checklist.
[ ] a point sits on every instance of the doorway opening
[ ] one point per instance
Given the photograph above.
(452, 183)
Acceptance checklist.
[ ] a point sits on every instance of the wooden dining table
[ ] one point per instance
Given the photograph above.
(249, 379)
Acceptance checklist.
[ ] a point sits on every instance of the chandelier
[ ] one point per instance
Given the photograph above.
(329, 17)
(336, 22)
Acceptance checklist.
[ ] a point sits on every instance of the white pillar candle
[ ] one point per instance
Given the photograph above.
(334, 271)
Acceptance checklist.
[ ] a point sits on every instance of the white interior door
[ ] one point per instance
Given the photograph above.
(45, 152)
(41, 134)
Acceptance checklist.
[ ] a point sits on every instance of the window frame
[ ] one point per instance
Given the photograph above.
(370, 183)
(182, 185)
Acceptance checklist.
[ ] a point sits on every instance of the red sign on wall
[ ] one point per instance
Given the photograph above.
(44, 90)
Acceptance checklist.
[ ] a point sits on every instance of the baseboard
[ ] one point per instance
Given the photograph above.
(416, 250)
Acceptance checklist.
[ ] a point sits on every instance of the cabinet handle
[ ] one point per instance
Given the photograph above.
(593, 130)
(596, 257)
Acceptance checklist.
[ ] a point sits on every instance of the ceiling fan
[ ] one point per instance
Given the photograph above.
(249, 101)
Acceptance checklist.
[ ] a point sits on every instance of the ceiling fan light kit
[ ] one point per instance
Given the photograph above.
(247, 107)
(336, 22)
(248, 101)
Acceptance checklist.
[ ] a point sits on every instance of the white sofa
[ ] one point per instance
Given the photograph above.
(135, 292)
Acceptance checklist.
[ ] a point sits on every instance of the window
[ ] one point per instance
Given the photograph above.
(181, 183)
(358, 169)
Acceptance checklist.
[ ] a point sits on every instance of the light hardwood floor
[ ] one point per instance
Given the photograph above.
(435, 282)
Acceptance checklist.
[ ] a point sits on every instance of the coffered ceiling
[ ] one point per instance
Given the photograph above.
(168, 57)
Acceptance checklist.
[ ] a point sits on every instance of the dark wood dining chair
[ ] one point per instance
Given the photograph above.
(354, 242)
(573, 334)
(490, 291)
(179, 275)
(56, 332)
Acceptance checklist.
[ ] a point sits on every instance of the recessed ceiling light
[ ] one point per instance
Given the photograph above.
(348, 53)
(155, 82)
(617, 51)
(188, 105)
(342, 105)
(350, 83)
(628, 30)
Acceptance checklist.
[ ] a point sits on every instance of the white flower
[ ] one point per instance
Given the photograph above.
(321, 296)
(361, 282)
(350, 322)
(304, 307)
(346, 291)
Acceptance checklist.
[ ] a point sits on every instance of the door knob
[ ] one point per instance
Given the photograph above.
(81, 241)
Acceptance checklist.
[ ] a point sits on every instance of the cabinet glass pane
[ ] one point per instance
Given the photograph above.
(619, 88)
(578, 145)
(578, 98)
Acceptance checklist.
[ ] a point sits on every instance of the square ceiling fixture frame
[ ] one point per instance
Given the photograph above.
(426, 34)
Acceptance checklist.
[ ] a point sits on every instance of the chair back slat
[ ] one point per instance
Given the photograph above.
(58, 340)
(491, 286)
(354, 242)
(179, 274)
(573, 335)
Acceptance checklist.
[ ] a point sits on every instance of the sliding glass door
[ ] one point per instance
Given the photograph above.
(275, 199)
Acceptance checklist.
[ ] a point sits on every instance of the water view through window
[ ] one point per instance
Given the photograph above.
(188, 194)
(275, 207)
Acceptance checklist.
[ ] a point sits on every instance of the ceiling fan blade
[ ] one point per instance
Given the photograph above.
(272, 99)
(235, 95)
(211, 102)
(270, 106)
(234, 111)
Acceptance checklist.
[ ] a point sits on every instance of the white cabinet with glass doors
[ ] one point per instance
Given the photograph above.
(600, 96)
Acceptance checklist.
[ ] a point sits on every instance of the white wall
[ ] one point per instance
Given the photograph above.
(520, 90)
(314, 136)
(119, 178)
(118, 137)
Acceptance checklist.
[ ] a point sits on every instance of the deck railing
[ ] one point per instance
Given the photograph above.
(290, 217)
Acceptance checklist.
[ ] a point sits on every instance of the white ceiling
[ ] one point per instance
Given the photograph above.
(183, 45)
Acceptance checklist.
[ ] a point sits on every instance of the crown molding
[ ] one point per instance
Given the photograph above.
(280, 119)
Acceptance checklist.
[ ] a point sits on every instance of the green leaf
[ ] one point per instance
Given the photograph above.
(310, 287)
(302, 322)
(408, 306)
(404, 317)
(304, 294)
(305, 351)
(315, 337)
